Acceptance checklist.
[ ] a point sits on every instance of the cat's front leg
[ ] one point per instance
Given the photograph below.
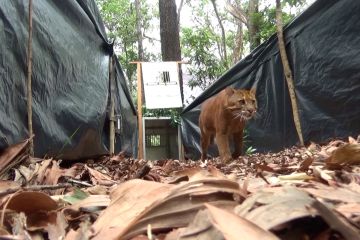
(238, 144)
(222, 141)
(205, 142)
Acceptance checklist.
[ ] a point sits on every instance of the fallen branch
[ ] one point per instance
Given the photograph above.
(35, 188)
(80, 182)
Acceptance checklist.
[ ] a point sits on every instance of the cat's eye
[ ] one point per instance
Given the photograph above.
(242, 101)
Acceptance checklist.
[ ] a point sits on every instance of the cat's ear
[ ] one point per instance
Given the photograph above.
(253, 91)
(229, 91)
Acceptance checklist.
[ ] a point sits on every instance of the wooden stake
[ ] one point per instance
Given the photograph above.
(112, 109)
(287, 71)
(29, 90)
(139, 106)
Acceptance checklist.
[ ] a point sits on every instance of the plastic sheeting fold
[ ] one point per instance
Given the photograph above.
(69, 80)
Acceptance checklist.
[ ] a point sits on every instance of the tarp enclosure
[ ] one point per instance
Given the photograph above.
(323, 46)
(69, 79)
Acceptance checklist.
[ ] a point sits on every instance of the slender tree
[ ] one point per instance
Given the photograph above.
(140, 37)
(240, 20)
(287, 70)
(29, 85)
(223, 36)
(138, 30)
(239, 44)
(250, 18)
(254, 36)
(179, 12)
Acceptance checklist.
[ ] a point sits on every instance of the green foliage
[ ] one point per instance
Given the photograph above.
(76, 196)
(267, 22)
(265, 19)
(198, 45)
(247, 143)
(250, 150)
(120, 21)
(173, 113)
(200, 41)
(294, 3)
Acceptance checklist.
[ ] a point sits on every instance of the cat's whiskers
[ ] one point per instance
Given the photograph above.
(237, 115)
(256, 115)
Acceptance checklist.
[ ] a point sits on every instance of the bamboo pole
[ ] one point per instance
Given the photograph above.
(139, 106)
(287, 71)
(112, 109)
(29, 90)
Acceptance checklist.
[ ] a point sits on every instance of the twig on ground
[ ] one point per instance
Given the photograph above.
(35, 188)
(80, 182)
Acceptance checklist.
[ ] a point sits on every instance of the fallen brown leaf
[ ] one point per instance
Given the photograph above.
(349, 210)
(9, 155)
(4, 185)
(346, 154)
(200, 228)
(98, 177)
(164, 206)
(93, 203)
(304, 165)
(336, 222)
(234, 227)
(97, 190)
(58, 230)
(29, 202)
(352, 140)
(188, 172)
(39, 208)
(339, 194)
(263, 167)
(128, 201)
(274, 206)
(42, 170)
(50, 175)
(82, 233)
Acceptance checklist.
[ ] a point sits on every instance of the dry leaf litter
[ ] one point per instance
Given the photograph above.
(308, 192)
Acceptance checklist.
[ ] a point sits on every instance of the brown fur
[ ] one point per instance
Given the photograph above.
(223, 116)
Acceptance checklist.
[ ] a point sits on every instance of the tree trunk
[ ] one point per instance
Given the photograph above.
(140, 37)
(287, 70)
(237, 12)
(238, 50)
(29, 87)
(223, 37)
(138, 31)
(179, 12)
(169, 34)
(254, 36)
(112, 109)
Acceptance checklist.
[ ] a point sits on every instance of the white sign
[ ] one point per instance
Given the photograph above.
(161, 85)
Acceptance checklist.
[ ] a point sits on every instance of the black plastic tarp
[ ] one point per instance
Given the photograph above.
(323, 47)
(70, 80)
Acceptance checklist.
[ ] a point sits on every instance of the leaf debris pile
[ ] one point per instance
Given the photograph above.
(308, 192)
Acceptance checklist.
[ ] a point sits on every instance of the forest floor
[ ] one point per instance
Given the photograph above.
(308, 192)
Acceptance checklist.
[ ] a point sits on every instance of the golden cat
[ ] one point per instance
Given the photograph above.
(223, 116)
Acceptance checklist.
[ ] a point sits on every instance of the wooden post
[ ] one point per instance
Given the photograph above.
(112, 109)
(139, 106)
(29, 90)
(287, 71)
(180, 145)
